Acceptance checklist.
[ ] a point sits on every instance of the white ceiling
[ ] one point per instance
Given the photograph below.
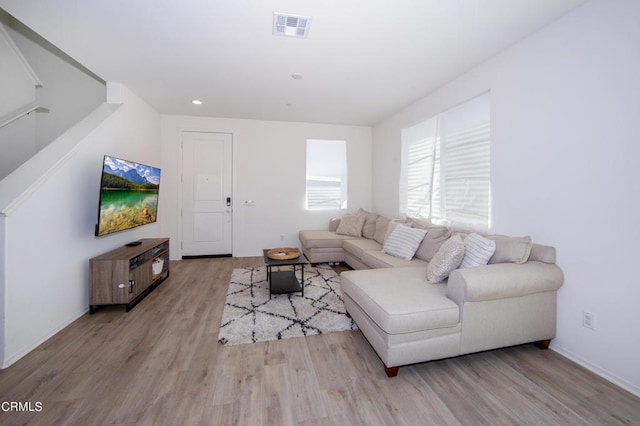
(362, 60)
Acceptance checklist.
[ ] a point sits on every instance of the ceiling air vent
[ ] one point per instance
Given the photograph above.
(290, 25)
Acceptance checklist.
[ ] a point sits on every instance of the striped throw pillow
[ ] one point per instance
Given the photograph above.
(477, 250)
(403, 241)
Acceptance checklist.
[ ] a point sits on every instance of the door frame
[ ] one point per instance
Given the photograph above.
(179, 185)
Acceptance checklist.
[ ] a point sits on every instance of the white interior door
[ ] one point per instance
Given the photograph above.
(206, 193)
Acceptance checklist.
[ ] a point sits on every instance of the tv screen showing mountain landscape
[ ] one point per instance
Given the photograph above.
(128, 195)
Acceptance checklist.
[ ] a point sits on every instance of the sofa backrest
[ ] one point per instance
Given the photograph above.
(539, 252)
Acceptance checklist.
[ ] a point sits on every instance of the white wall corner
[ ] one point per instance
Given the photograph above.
(114, 93)
(19, 56)
(3, 308)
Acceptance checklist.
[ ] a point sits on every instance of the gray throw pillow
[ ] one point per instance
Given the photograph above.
(382, 223)
(418, 222)
(369, 227)
(351, 224)
(447, 259)
(511, 249)
(436, 236)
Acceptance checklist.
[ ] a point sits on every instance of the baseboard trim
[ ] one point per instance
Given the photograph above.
(15, 357)
(607, 375)
(206, 256)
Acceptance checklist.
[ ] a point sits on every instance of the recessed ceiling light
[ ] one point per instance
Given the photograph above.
(196, 102)
(296, 76)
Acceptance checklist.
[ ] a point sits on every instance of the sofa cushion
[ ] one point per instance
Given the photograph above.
(382, 227)
(382, 223)
(369, 227)
(436, 236)
(351, 224)
(542, 253)
(378, 259)
(511, 249)
(322, 239)
(447, 259)
(477, 250)
(403, 241)
(382, 294)
(359, 246)
(324, 254)
(418, 222)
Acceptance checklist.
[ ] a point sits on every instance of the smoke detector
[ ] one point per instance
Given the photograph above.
(290, 25)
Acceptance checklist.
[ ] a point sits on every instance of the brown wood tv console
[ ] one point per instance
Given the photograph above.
(124, 276)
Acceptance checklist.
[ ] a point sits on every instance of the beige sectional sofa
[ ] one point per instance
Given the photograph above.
(407, 319)
(362, 251)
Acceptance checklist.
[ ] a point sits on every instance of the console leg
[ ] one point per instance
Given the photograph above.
(391, 371)
(543, 344)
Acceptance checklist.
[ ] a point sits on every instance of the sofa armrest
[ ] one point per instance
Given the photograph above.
(502, 280)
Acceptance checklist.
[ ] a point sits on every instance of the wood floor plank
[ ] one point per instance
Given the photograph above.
(161, 363)
(413, 401)
(517, 395)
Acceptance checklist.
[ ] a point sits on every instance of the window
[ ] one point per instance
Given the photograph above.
(326, 174)
(445, 173)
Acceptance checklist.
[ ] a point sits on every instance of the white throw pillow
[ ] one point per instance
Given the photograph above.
(351, 224)
(477, 250)
(403, 241)
(447, 259)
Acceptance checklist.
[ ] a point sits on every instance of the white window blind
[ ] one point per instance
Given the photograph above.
(445, 174)
(326, 174)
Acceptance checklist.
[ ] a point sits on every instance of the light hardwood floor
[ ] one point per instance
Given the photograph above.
(161, 364)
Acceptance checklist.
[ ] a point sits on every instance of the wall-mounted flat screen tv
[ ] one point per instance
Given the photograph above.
(128, 195)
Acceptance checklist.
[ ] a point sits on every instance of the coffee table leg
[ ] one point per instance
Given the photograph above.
(302, 276)
(269, 280)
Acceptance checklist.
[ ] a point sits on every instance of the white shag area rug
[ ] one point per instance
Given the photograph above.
(249, 315)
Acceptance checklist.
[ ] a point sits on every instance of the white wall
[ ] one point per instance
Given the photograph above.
(18, 89)
(3, 304)
(17, 86)
(564, 164)
(50, 226)
(269, 163)
(68, 91)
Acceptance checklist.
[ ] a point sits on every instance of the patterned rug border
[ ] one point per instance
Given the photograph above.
(249, 316)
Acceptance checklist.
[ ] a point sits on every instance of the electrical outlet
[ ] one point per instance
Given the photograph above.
(281, 237)
(589, 320)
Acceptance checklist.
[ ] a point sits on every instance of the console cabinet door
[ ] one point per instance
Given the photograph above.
(110, 282)
(141, 277)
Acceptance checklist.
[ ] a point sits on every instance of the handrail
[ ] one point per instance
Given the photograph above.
(21, 112)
